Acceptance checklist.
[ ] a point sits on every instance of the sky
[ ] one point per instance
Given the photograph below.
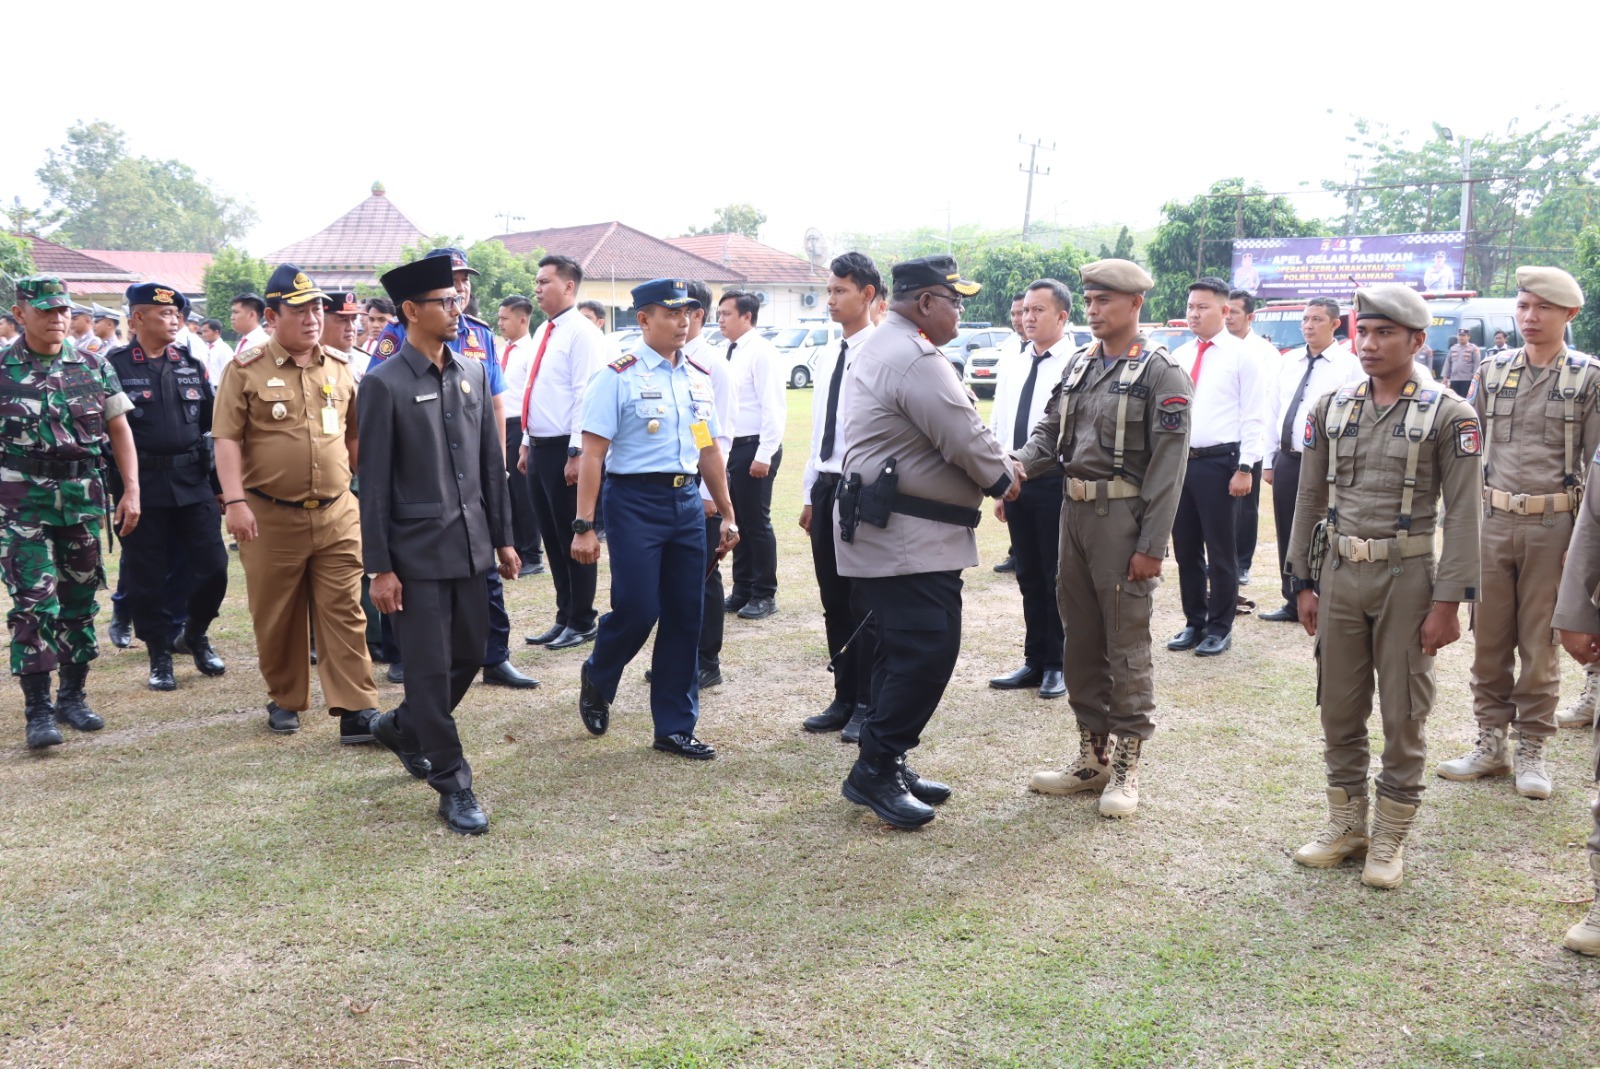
(848, 118)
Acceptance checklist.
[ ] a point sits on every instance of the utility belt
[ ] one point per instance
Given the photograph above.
(676, 480)
(1098, 489)
(308, 504)
(1528, 504)
(563, 440)
(51, 469)
(746, 439)
(1368, 549)
(874, 504)
(1213, 450)
(160, 462)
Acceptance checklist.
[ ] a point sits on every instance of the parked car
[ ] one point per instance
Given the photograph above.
(983, 350)
(801, 346)
(1279, 323)
(1169, 336)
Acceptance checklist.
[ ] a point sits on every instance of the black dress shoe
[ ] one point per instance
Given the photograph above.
(1054, 684)
(121, 628)
(595, 710)
(1187, 639)
(461, 811)
(161, 677)
(929, 791)
(375, 653)
(548, 636)
(1007, 566)
(503, 675)
(758, 609)
(1023, 678)
(880, 786)
(283, 721)
(388, 734)
(570, 639)
(355, 727)
(710, 677)
(396, 672)
(1285, 615)
(1212, 645)
(735, 602)
(205, 658)
(531, 567)
(833, 718)
(683, 744)
(851, 734)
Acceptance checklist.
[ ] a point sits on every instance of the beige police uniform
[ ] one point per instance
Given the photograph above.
(291, 451)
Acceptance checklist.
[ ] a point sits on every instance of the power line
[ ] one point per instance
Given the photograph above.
(1030, 170)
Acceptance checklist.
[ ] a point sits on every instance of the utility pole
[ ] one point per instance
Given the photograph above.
(1030, 170)
(1466, 209)
(506, 219)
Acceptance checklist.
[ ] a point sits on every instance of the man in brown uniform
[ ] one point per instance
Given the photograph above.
(285, 432)
(1119, 424)
(1540, 423)
(1378, 455)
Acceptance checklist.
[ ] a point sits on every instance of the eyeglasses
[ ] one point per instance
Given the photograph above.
(451, 303)
(959, 302)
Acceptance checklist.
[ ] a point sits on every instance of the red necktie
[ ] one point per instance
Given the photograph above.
(505, 357)
(538, 358)
(1194, 376)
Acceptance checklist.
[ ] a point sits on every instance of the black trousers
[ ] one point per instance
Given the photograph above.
(1034, 520)
(442, 627)
(524, 520)
(711, 619)
(842, 605)
(1285, 486)
(195, 531)
(755, 558)
(556, 504)
(1205, 545)
(1249, 520)
(919, 638)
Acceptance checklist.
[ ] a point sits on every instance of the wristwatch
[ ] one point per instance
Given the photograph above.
(733, 528)
(1297, 585)
(574, 451)
(581, 526)
(1247, 469)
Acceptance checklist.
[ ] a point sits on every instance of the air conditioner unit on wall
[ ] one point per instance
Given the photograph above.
(809, 300)
(761, 295)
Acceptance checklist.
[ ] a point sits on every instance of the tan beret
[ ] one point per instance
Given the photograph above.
(1119, 276)
(1396, 303)
(1551, 283)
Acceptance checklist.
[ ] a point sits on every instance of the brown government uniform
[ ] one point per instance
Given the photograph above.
(273, 409)
(1578, 610)
(1540, 426)
(1376, 587)
(1120, 428)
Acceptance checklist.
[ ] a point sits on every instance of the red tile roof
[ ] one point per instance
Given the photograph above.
(183, 270)
(370, 234)
(613, 249)
(52, 259)
(755, 261)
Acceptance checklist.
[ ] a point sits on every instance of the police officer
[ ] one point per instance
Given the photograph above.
(170, 419)
(58, 406)
(650, 423)
(106, 324)
(1118, 421)
(1379, 456)
(917, 462)
(1540, 416)
(474, 341)
(286, 441)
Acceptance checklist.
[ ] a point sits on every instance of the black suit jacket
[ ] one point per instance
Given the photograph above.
(434, 502)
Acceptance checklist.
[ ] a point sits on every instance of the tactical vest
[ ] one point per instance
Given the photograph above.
(1421, 412)
(1133, 369)
(80, 392)
(1505, 373)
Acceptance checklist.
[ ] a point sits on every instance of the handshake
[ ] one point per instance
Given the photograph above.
(1018, 477)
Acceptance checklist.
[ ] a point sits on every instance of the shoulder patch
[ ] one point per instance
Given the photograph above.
(245, 357)
(1308, 439)
(387, 347)
(1472, 391)
(1170, 412)
(1469, 438)
(343, 358)
(623, 364)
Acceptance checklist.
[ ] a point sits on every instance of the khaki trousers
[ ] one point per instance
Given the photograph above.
(308, 561)
(1521, 575)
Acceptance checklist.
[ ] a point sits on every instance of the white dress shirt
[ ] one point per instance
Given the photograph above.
(218, 355)
(1334, 367)
(724, 396)
(576, 351)
(827, 360)
(1268, 359)
(1013, 374)
(516, 362)
(1227, 405)
(760, 376)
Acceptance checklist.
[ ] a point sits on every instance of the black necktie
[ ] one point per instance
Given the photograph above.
(1019, 433)
(831, 421)
(731, 347)
(1286, 432)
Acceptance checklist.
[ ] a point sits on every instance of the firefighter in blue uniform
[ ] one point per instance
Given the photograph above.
(474, 341)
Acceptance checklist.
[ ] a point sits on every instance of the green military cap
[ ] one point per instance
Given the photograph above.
(1119, 276)
(1396, 303)
(43, 292)
(1551, 283)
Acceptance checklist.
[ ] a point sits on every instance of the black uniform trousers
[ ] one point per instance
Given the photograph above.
(1205, 543)
(919, 638)
(755, 558)
(1249, 520)
(442, 628)
(1285, 486)
(524, 520)
(557, 506)
(712, 614)
(1034, 520)
(195, 530)
(842, 606)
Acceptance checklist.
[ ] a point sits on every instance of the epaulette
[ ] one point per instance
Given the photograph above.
(690, 361)
(1085, 347)
(475, 319)
(927, 347)
(343, 358)
(246, 357)
(622, 364)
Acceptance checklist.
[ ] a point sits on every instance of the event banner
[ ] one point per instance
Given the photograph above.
(1334, 267)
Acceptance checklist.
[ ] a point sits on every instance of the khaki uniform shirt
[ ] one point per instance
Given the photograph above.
(1577, 607)
(1372, 469)
(1526, 452)
(905, 401)
(274, 409)
(1155, 440)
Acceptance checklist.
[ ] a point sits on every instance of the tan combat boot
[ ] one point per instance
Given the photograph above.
(1532, 779)
(1121, 796)
(1490, 757)
(1584, 937)
(1581, 715)
(1089, 772)
(1386, 851)
(1346, 833)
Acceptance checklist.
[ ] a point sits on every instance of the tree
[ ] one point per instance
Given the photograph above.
(109, 199)
(743, 219)
(16, 261)
(1586, 268)
(1196, 238)
(230, 273)
(1006, 270)
(501, 272)
(25, 220)
(1123, 250)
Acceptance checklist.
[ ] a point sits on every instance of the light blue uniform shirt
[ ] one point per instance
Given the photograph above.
(622, 405)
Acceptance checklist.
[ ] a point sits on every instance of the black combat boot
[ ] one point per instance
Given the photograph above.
(161, 677)
(199, 647)
(121, 629)
(42, 730)
(72, 705)
(878, 784)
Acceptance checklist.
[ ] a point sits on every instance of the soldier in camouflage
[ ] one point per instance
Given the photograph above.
(59, 407)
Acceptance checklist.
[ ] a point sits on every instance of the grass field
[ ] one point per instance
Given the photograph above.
(186, 889)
